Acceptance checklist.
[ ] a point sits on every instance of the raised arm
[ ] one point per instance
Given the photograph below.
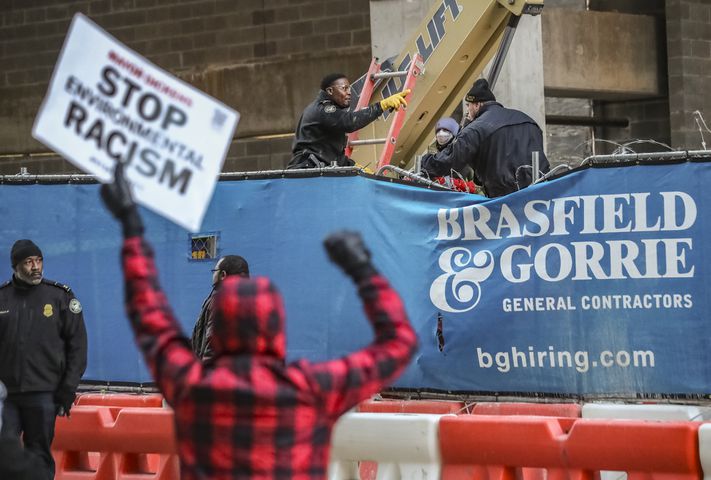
(166, 350)
(351, 379)
(345, 120)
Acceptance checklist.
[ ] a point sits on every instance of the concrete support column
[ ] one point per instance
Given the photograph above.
(520, 84)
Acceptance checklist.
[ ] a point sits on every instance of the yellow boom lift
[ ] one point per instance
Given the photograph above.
(455, 41)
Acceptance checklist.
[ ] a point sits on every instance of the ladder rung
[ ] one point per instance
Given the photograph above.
(402, 73)
(371, 141)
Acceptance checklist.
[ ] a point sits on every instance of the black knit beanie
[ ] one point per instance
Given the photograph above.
(22, 249)
(480, 92)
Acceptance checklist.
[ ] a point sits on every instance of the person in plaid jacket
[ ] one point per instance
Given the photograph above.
(246, 413)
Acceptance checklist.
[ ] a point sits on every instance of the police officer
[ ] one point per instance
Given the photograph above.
(497, 144)
(320, 137)
(42, 351)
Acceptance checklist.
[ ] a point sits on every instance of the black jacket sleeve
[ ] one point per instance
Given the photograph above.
(345, 120)
(74, 336)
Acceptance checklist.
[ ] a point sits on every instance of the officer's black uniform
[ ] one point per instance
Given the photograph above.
(321, 134)
(498, 146)
(43, 348)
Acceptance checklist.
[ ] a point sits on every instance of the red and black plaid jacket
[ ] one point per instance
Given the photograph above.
(247, 414)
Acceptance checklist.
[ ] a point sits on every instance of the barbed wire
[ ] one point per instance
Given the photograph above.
(699, 119)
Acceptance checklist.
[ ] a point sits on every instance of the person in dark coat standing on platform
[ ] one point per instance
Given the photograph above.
(247, 413)
(498, 144)
(42, 352)
(320, 137)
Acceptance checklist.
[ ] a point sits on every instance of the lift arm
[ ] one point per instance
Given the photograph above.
(456, 40)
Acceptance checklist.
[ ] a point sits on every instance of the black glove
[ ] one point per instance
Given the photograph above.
(348, 251)
(117, 198)
(64, 399)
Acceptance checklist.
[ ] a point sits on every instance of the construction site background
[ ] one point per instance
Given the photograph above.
(266, 58)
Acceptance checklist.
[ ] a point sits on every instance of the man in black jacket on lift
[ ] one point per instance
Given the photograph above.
(497, 144)
(320, 137)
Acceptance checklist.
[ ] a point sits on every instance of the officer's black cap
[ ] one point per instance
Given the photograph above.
(480, 92)
(22, 249)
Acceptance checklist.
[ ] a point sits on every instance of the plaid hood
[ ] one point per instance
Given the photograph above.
(248, 318)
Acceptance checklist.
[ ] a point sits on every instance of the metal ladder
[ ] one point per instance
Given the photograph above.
(371, 79)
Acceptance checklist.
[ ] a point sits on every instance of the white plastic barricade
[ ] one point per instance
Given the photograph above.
(705, 449)
(672, 413)
(405, 446)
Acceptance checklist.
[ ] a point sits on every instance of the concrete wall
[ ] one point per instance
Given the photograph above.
(640, 7)
(392, 23)
(599, 54)
(689, 62)
(262, 57)
(648, 129)
(648, 118)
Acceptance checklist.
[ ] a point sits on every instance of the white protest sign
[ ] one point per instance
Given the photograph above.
(105, 103)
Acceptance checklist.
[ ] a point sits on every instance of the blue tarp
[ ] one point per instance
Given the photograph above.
(594, 283)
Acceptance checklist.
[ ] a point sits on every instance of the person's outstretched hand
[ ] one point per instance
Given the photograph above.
(394, 102)
(118, 200)
(347, 250)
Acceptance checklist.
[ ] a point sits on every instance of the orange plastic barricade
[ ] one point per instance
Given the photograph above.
(478, 447)
(410, 406)
(116, 443)
(120, 400)
(570, 410)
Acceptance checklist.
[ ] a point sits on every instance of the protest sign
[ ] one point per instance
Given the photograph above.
(107, 104)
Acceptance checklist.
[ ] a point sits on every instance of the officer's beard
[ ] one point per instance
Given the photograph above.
(33, 278)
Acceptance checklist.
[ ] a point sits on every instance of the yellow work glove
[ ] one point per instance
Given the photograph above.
(396, 101)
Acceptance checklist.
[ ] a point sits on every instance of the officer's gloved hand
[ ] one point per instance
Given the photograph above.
(347, 250)
(64, 400)
(117, 198)
(394, 102)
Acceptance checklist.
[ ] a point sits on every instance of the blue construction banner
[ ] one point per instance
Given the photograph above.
(595, 283)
